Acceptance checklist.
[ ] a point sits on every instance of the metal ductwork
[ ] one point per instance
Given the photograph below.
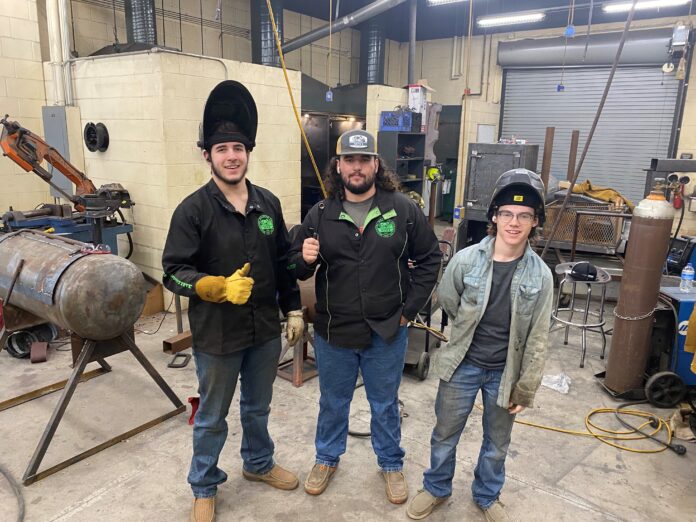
(349, 20)
(648, 47)
(263, 45)
(372, 51)
(141, 24)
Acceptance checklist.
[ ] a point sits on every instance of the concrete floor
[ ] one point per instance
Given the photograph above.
(550, 476)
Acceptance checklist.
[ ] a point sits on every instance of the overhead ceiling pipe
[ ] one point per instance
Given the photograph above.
(372, 51)
(412, 42)
(263, 45)
(141, 24)
(349, 20)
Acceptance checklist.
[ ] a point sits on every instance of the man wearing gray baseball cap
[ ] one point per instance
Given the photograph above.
(360, 240)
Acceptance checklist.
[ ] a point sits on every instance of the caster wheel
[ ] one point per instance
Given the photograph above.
(423, 366)
(665, 389)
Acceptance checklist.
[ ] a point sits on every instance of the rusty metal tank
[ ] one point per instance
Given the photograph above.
(96, 296)
(648, 243)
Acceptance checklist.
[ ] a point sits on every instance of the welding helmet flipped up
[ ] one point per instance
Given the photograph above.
(229, 102)
(519, 187)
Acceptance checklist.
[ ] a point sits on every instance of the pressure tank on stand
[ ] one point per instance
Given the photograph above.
(646, 252)
(96, 296)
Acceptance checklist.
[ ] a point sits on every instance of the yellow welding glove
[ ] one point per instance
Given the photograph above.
(295, 327)
(211, 288)
(238, 286)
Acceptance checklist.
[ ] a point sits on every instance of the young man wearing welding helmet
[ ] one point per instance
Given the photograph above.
(361, 239)
(498, 295)
(227, 252)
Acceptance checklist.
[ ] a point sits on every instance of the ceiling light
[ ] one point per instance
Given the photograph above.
(442, 2)
(510, 19)
(620, 7)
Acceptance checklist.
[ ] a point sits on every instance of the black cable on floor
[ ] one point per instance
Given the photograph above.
(16, 490)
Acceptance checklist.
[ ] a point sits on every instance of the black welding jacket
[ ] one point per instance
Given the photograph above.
(363, 282)
(207, 236)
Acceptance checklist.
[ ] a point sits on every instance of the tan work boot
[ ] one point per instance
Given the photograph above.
(318, 479)
(278, 478)
(203, 510)
(423, 504)
(397, 489)
(496, 512)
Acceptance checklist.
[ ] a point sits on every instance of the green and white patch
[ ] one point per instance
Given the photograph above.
(385, 227)
(266, 225)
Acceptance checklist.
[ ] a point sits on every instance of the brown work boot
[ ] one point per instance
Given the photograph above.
(278, 478)
(318, 479)
(203, 510)
(496, 512)
(397, 489)
(423, 504)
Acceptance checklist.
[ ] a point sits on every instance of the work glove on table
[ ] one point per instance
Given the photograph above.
(295, 327)
(238, 286)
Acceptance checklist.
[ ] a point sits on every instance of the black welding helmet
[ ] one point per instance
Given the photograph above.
(584, 271)
(518, 187)
(229, 102)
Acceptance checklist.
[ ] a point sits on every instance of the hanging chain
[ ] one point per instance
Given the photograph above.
(635, 318)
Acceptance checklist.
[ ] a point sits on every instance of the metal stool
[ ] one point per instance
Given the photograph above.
(563, 269)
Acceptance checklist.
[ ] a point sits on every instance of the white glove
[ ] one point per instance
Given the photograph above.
(295, 327)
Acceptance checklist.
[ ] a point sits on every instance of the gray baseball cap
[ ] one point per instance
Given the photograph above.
(356, 142)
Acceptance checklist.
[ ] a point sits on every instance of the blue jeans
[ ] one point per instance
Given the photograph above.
(217, 379)
(381, 365)
(455, 399)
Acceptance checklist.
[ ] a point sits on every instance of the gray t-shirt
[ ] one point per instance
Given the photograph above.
(489, 346)
(358, 211)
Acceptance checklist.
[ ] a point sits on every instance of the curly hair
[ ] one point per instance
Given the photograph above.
(384, 179)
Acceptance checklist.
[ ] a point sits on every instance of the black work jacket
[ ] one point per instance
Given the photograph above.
(363, 283)
(207, 236)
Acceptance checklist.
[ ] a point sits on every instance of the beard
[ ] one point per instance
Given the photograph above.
(361, 186)
(231, 182)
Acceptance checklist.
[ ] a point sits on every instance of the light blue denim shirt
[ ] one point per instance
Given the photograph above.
(463, 294)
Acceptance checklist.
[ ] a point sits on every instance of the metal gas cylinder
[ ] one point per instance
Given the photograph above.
(96, 296)
(646, 252)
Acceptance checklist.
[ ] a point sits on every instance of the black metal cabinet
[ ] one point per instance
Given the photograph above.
(486, 162)
(403, 152)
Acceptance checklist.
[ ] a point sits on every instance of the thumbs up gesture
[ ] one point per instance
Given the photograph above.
(238, 286)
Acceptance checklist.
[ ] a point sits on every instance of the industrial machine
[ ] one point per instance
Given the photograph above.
(94, 218)
(486, 162)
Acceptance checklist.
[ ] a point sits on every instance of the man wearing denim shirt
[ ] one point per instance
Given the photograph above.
(498, 294)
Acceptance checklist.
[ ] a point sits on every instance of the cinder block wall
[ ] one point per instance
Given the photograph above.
(21, 96)
(152, 104)
(382, 98)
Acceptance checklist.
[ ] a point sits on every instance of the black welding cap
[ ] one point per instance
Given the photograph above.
(584, 271)
(519, 187)
(229, 102)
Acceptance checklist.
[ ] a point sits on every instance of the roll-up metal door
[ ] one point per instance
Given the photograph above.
(635, 125)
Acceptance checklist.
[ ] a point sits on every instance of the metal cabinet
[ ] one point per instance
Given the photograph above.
(486, 162)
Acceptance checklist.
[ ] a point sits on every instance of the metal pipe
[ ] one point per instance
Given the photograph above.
(412, 8)
(372, 51)
(548, 153)
(56, 53)
(572, 156)
(263, 46)
(350, 20)
(65, 45)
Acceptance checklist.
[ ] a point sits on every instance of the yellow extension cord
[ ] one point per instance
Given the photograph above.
(607, 436)
(292, 98)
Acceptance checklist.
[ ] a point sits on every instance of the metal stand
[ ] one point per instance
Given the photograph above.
(95, 351)
(301, 367)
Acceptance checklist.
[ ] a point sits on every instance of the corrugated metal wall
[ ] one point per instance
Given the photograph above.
(635, 125)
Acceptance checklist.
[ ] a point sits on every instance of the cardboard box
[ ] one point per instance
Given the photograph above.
(154, 302)
(418, 100)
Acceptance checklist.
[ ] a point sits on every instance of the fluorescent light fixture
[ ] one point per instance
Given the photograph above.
(620, 7)
(510, 19)
(442, 2)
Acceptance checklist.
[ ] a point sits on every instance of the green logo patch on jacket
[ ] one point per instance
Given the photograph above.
(385, 227)
(266, 224)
